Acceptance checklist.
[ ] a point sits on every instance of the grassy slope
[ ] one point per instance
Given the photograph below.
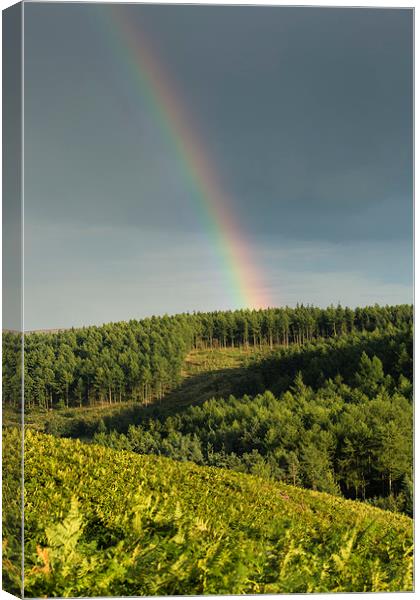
(144, 525)
(212, 373)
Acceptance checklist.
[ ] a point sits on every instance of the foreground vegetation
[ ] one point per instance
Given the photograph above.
(101, 522)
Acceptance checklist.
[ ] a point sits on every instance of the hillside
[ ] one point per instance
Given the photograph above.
(219, 372)
(334, 415)
(141, 361)
(275, 410)
(101, 522)
(205, 374)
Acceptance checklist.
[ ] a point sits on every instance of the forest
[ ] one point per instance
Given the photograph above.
(348, 433)
(139, 361)
(322, 398)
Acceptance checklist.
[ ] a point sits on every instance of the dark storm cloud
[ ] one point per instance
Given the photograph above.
(305, 114)
(308, 113)
(304, 111)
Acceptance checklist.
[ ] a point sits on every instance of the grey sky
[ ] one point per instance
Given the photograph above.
(305, 113)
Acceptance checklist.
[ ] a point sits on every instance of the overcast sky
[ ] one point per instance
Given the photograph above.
(305, 115)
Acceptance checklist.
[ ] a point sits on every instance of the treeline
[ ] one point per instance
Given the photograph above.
(139, 361)
(351, 435)
(284, 326)
(338, 356)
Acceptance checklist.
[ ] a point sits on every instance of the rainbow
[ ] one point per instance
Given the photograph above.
(248, 290)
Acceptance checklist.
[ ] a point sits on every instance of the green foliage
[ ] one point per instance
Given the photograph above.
(350, 438)
(340, 420)
(12, 511)
(100, 522)
(140, 361)
(315, 398)
(370, 374)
